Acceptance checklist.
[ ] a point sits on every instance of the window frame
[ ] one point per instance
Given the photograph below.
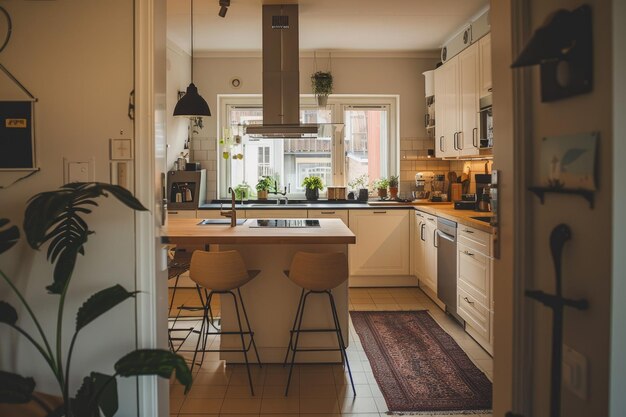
(337, 103)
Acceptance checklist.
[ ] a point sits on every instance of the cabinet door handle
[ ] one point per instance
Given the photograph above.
(172, 212)
(426, 120)
(454, 142)
(431, 219)
(468, 231)
(459, 142)
(467, 300)
(380, 212)
(441, 144)
(422, 232)
(474, 135)
(435, 238)
(468, 253)
(328, 212)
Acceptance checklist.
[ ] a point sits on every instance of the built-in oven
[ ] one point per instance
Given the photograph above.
(486, 122)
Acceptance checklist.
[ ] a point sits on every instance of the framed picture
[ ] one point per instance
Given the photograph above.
(569, 161)
(121, 149)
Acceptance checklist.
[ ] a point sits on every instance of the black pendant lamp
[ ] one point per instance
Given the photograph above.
(192, 104)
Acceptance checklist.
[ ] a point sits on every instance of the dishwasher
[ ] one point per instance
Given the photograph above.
(446, 265)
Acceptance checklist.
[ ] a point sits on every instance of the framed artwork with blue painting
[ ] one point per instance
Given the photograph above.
(569, 162)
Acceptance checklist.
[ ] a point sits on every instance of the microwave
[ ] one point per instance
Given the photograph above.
(486, 122)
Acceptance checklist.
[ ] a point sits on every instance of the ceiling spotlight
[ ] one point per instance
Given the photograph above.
(224, 5)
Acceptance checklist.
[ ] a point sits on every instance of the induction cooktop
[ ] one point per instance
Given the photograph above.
(285, 223)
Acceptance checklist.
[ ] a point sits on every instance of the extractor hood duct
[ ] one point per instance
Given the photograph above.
(281, 76)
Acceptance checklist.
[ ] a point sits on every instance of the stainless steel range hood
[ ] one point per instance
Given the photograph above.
(281, 76)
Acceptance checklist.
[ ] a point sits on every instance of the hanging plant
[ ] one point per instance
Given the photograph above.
(322, 85)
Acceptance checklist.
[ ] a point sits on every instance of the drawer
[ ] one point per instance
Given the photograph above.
(474, 313)
(474, 273)
(329, 214)
(181, 214)
(475, 239)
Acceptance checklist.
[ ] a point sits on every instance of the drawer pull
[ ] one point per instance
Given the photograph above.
(468, 253)
(380, 212)
(467, 300)
(328, 212)
(431, 219)
(468, 231)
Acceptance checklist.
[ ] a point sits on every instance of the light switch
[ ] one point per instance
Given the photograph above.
(575, 372)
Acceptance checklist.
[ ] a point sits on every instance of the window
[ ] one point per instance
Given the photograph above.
(363, 146)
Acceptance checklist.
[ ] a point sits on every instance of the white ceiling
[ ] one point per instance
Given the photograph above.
(329, 25)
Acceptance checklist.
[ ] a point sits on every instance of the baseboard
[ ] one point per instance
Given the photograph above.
(433, 296)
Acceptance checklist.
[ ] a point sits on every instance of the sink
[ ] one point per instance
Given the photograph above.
(276, 205)
(486, 219)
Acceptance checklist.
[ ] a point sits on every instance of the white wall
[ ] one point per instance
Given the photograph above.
(587, 257)
(352, 75)
(178, 77)
(77, 58)
(618, 329)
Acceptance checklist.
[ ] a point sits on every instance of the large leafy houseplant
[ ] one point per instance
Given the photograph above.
(56, 219)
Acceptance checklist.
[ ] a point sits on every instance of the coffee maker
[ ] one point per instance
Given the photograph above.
(423, 184)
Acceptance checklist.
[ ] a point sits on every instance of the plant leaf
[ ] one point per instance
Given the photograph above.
(8, 314)
(65, 266)
(96, 384)
(15, 389)
(100, 303)
(8, 237)
(123, 195)
(155, 362)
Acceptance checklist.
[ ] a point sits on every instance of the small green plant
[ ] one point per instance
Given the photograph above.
(359, 182)
(265, 184)
(393, 181)
(313, 183)
(242, 191)
(381, 184)
(322, 83)
(56, 218)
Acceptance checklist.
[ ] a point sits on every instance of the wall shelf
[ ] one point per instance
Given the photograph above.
(541, 192)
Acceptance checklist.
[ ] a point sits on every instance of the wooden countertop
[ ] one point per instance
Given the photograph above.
(463, 217)
(187, 231)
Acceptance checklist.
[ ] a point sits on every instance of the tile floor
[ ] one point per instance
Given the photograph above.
(316, 390)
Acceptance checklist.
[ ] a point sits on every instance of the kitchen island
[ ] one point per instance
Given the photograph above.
(271, 299)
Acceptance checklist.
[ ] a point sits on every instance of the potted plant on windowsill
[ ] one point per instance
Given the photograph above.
(242, 191)
(393, 187)
(312, 186)
(56, 219)
(322, 84)
(360, 184)
(263, 187)
(381, 185)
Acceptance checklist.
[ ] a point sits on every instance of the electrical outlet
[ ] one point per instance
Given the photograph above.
(575, 372)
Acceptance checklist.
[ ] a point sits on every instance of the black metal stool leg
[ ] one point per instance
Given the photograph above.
(295, 346)
(293, 328)
(207, 311)
(245, 316)
(342, 345)
(195, 353)
(243, 342)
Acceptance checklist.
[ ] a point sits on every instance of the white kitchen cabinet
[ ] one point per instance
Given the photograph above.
(382, 246)
(446, 108)
(484, 47)
(329, 214)
(419, 247)
(430, 254)
(458, 87)
(475, 284)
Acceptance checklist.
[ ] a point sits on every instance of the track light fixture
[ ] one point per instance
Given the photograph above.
(224, 5)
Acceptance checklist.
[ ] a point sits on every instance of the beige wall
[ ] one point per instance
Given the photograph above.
(178, 76)
(618, 330)
(587, 257)
(77, 58)
(375, 75)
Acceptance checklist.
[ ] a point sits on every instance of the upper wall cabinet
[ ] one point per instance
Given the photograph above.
(484, 47)
(459, 84)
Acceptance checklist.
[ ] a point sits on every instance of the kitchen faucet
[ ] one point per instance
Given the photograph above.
(280, 195)
(232, 213)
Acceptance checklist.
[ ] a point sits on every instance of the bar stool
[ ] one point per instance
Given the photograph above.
(221, 273)
(317, 273)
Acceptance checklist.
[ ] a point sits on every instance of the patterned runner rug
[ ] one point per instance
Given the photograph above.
(419, 367)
